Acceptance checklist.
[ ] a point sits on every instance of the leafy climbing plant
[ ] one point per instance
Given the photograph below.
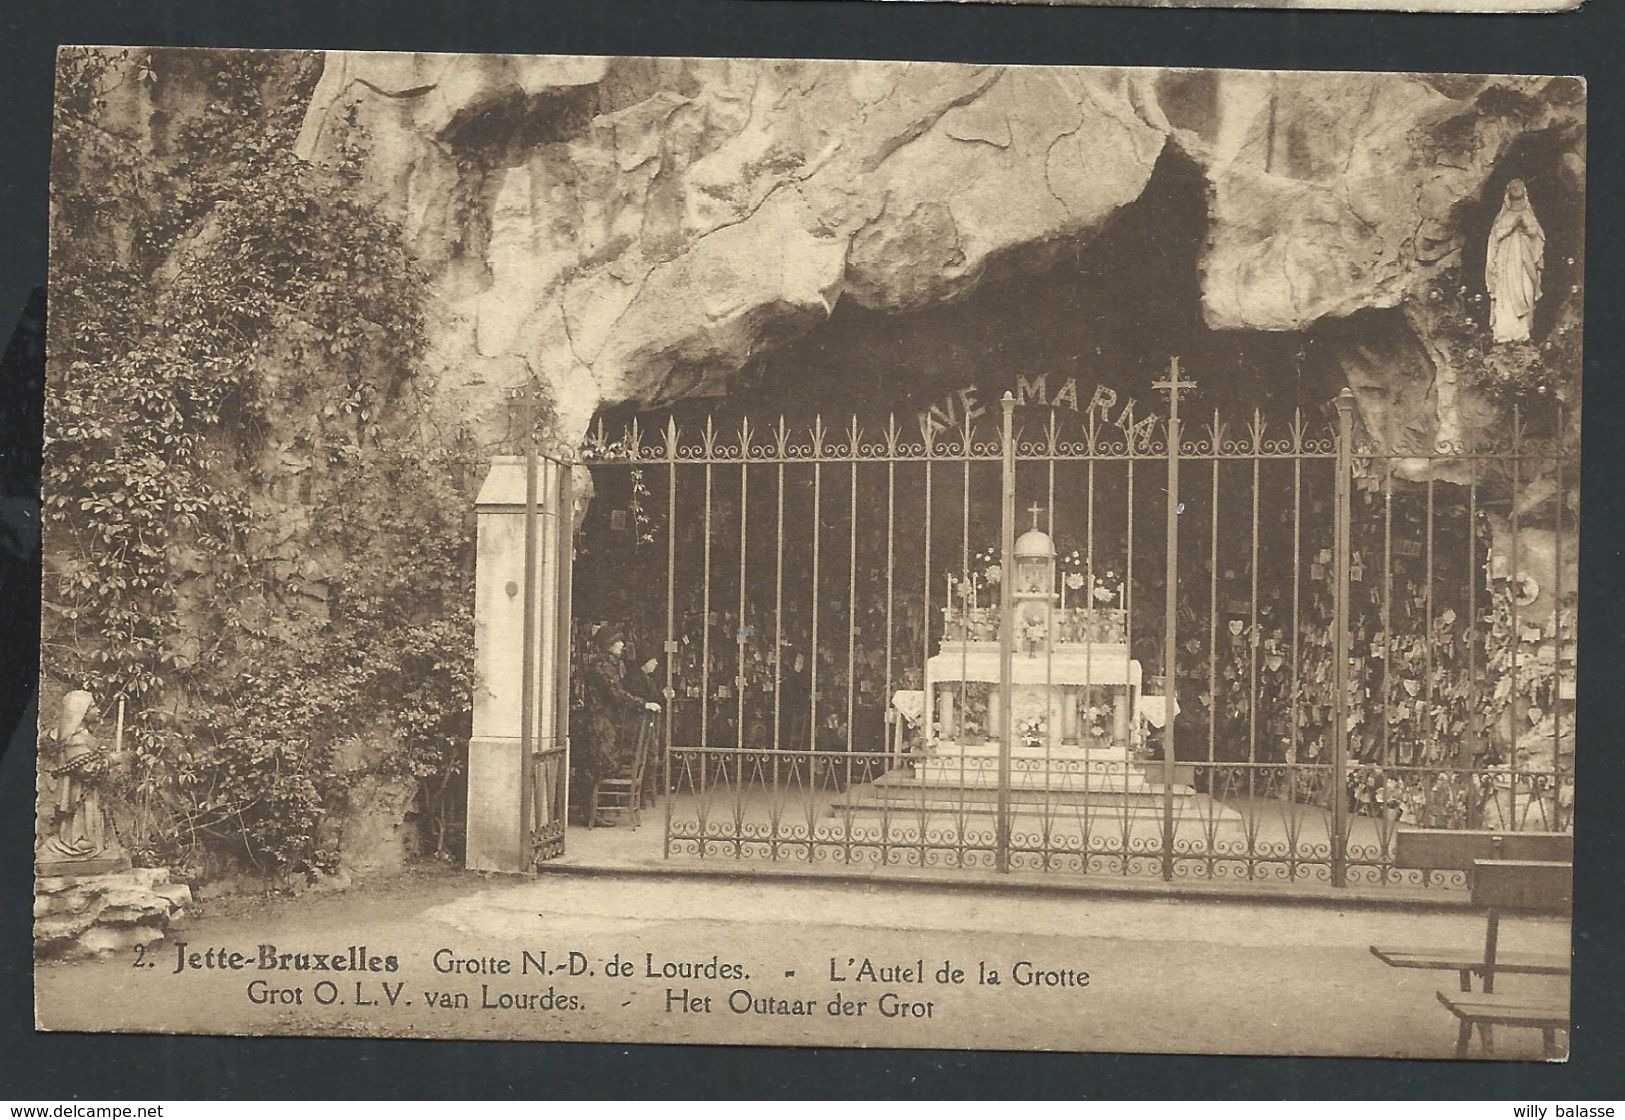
(256, 533)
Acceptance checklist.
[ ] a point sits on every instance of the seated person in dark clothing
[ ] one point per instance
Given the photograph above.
(644, 682)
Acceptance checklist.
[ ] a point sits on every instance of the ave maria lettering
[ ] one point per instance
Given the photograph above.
(961, 408)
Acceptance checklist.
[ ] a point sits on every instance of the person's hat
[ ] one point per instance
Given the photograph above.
(75, 706)
(607, 637)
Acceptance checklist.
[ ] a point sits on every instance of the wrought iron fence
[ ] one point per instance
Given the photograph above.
(1263, 649)
(548, 780)
(544, 601)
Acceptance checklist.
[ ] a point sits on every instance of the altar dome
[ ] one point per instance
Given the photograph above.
(1034, 543)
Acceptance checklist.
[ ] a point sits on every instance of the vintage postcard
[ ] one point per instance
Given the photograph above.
(811, 552)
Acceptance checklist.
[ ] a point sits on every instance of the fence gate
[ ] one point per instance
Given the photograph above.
(545, 657)
(1052, 636)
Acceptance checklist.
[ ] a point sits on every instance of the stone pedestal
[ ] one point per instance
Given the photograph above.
(90, 914)
(80, 868)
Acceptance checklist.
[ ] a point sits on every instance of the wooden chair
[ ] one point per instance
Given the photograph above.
(622, 797)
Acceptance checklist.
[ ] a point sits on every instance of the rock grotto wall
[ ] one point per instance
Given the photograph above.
(638, 229)
(641, 230)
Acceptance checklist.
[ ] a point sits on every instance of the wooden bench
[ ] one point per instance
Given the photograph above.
(1467, 963)
(1518, 885)
(1540, 887)
(1487, 1013)
(1501, 885)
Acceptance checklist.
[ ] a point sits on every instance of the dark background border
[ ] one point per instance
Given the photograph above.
(52, 1068)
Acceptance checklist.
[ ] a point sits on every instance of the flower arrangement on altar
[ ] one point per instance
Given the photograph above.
(1034, 633)
(988, 565)
(1096, 719)
(1374, 793)
(985, 569)
(1075, 568)
(1089, 611)
(1031, 729)
(964, 615)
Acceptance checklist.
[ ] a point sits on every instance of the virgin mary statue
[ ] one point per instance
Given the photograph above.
(78, 765)
(1512, 266)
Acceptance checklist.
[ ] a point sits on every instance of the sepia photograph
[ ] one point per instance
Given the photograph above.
(810, 553)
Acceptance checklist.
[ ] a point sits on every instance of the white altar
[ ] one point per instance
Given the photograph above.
(1076, 713)
(1075, 689)
(1054, 692)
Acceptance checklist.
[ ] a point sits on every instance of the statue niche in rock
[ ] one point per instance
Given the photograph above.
(1514, 260)
(78, 836)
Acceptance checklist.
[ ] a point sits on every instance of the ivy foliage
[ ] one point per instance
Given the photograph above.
(256, 533)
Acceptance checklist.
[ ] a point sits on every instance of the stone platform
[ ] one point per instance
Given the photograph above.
(90, 915)
(1089, 785)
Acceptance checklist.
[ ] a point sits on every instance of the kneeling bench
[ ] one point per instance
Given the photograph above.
(1469, 964)
(1528, 872)
(1487, 1012)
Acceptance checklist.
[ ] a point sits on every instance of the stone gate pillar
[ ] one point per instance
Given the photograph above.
(497, 840)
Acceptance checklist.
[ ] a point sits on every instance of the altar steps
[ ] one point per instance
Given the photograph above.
(1128, 779)
(904, 795)
(977, 800)
(860, 819)
(1192, 811)
(1104, 771)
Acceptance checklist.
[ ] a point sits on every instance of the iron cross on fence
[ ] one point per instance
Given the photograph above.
(1173, 385)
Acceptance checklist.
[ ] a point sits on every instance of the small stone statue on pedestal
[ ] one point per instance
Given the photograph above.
(77, 837)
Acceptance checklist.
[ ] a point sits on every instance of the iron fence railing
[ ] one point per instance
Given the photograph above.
(1264, 822)
(548, 778)
(1297, 637)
